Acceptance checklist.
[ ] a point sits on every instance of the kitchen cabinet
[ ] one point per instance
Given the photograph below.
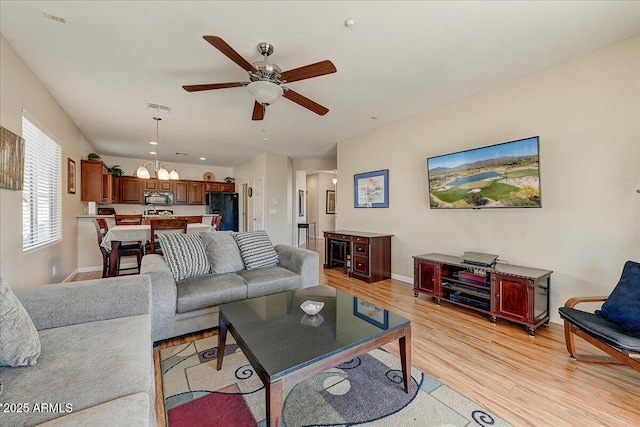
(130, 189)
(157, 185)
(180, 192)
(96, 182)
(223, 187)
(510, 292)
(195, 195)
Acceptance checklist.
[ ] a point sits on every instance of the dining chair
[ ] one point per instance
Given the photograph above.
(124, 250)
(215, 221)
(191, 219)
(164, 224)
(128, 219)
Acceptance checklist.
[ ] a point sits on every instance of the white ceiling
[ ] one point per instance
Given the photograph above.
(111, 58)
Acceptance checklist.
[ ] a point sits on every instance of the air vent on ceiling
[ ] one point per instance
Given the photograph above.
(159, 108)
(54, 18)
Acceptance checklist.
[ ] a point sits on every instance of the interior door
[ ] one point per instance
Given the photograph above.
(258, 204)
(244, 208)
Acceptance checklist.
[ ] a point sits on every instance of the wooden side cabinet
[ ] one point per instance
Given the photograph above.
(509, 292)
(370, 254)
(426, 277)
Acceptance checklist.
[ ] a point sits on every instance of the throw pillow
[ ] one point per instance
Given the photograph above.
(256, 249)
(223, 252)
(184, 254)
(623, 305)
(19, 340)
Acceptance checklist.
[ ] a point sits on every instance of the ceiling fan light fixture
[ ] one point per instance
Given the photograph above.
(265, 92)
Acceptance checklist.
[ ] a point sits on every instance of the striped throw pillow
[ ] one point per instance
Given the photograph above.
(184, 254)
(256, 249)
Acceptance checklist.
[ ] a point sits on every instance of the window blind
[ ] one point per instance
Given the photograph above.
(41, 198)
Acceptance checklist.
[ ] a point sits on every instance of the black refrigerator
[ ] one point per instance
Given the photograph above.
(225, 204)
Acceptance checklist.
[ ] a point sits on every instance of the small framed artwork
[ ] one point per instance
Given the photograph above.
(371, 189)
(331, 202)
(71, 176)
(371, 313)
(11, 160)
(300, 202)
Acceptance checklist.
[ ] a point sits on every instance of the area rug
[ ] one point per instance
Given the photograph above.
(367, 390)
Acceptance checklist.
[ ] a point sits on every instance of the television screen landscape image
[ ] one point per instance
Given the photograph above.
(504, 175)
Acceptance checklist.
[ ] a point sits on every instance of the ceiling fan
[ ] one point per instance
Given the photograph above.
(267, 79)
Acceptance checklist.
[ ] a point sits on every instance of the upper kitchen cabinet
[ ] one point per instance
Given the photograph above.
(157, 185)
(131, 189)
(224, 187)
(196, 193)
(96, 182)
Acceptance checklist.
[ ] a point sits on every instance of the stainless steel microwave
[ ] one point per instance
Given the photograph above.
(157, 198)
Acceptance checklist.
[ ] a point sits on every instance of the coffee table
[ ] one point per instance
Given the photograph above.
(286, 346)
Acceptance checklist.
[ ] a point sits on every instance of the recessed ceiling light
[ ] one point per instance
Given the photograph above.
(349, 22)
(202, 158)
(54, 18)
(235, 128)
(152, 152)
(265, 139)
(181, 154)
(153, 143)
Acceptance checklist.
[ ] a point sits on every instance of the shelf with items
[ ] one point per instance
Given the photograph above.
(514, 293)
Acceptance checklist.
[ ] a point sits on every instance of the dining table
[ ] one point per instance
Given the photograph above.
(137, 233)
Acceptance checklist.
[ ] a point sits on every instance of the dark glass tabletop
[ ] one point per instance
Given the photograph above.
(282, 338)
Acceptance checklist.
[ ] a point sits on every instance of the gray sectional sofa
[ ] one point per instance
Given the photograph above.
(95, 366)
(191, 304)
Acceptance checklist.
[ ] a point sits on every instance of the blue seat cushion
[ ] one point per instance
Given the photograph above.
(623, 305)
(611, 333)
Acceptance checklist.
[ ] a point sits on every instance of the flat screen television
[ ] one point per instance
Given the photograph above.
(504, 175)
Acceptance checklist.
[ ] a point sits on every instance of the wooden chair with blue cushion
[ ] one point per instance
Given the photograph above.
(615, 328)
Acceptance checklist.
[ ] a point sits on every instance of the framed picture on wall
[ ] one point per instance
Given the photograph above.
(371, 189)
(331, 202)
(71, 176)
(300, 202)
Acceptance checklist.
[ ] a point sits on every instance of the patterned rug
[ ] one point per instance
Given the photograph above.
(366, 390)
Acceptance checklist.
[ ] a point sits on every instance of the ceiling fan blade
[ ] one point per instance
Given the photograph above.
(314, 70)
(229, 52)
(258, 111)
(305, 102)
(196, 88)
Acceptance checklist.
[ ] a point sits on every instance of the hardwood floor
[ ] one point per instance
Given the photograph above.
(527, 381)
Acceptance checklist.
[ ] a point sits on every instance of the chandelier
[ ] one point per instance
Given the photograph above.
(159, 168)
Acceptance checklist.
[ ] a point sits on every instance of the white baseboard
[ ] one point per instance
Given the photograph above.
(71, 276)
(402, 278)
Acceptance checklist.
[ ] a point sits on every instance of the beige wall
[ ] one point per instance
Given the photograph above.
(587, 114)
(20, 89)
(277, 171)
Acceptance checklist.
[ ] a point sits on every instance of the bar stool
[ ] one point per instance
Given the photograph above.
(340, 259)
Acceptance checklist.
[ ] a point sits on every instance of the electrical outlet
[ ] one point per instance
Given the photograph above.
(53, 273)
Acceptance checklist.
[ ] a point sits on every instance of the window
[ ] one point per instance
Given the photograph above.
(41, 198)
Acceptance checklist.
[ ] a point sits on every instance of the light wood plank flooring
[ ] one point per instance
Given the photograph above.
(526, 381)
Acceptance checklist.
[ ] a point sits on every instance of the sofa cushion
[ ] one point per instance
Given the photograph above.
(623, 305)
(270, 280)
(184, 254)
(223, 252)
(19, 340)
(78, 366)
(256, 249)
(212, 289)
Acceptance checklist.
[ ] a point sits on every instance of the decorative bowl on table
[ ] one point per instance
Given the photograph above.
(312, 307)
(315, 320)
